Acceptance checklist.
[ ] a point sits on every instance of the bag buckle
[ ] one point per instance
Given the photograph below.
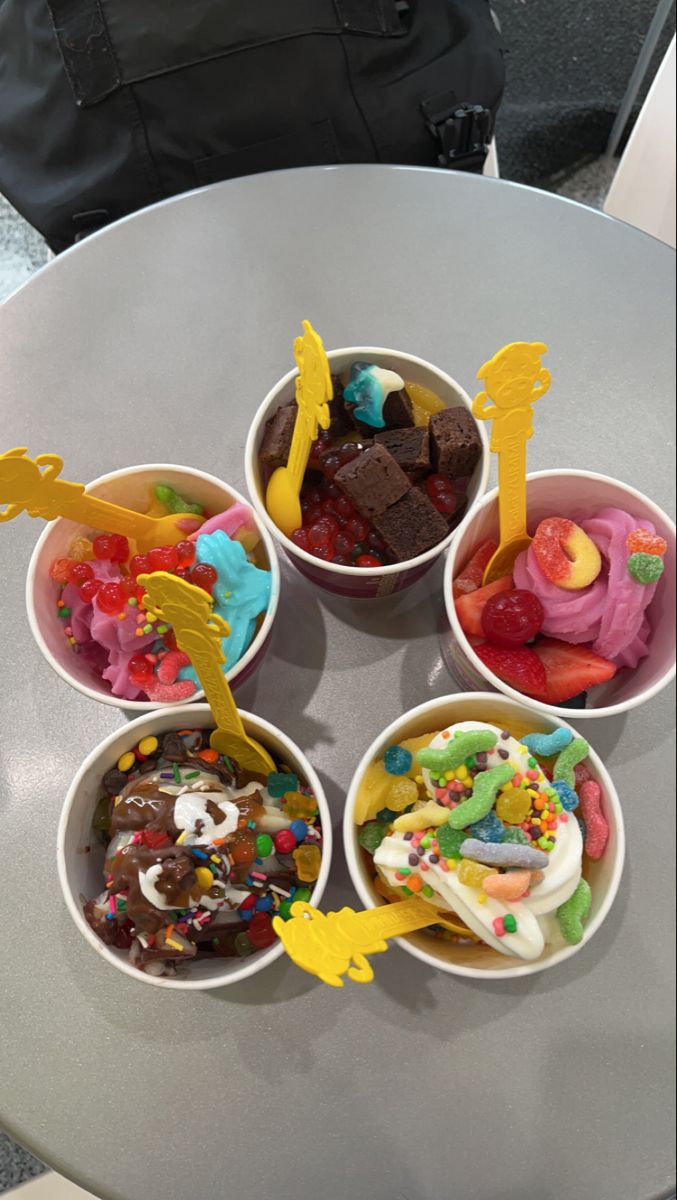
(464, 135)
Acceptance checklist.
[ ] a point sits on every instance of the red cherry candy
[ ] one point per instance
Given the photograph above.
(359, 528)
(89, 589)
(512, 618)
(436, 485)
(368, 560)
(324, 552)
(79, 573)
(312, 515)
(139, 669)
(260, 931)
(204, 576)
(344, 508)
(444, 502)
(163, 558)
(330, 464)
(111, 598)
(140, 565)
(104, 546)
(285, 841)
(322, 532)
(121, 548)
(344, 542)
(341, 560)
(300, 538)
(185, 553)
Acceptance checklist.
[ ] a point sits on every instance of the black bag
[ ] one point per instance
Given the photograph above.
(109, 105)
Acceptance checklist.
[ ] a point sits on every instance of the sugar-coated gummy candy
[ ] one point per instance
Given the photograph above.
(568, 797)
(473, 874)
(513, 806)
(574, 912)
(489, 829)
(596, 824)
(569, 759)
(397, 760)
(371, 835)
(645, 568)
(420, 818)
(516, 837)
(372, 794)
(297, 804)
(173, 502)
(504, 854)
(454, 754)
(642, 541)
(450, 841)
(281, 782)
(486, 785)
(307, 861)
(402, 793)
(510, 886)
(545, 745)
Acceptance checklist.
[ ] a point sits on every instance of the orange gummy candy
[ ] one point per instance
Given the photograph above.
(641, 541)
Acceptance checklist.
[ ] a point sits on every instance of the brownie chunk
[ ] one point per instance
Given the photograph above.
(340, 420)
(410, 526)
(409, 447)
(372, 481)
(277, 436)
(398, 411)
(455, 445)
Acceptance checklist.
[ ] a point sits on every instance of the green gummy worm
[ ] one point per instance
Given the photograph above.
(174, 502)
(473, 741)
(574, 912)
(575, 752)
(483, 797)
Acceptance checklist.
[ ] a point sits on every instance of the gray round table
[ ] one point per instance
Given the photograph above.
(156, 340)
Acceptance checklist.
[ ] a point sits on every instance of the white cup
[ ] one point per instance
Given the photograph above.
(130, 487)
(566, 494)
(80, 855)
(480, 961)
(360, 583)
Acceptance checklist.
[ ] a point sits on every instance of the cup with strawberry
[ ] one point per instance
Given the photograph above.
(584, 620)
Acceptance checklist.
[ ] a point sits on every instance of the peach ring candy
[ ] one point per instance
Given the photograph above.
(565, 554)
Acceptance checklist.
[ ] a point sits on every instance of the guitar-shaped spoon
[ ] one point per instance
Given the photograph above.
(313, 392)
(330, 945)
(514, 379)
(198, 631)
(33, 486)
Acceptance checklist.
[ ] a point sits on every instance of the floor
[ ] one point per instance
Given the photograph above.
(558, 110)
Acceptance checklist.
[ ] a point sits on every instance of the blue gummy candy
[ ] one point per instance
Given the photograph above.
(489, 829)
(397, 760)
(568, 797)
(279, 783)
(546, 745)
(387, 815)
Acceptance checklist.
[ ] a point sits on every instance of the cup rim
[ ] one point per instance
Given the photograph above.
(186, 713)
(352, 852)
(336, 568)
(146, 706)
(587, 714)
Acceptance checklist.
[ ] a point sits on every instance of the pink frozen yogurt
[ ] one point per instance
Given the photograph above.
(610, 614)
(96, 629)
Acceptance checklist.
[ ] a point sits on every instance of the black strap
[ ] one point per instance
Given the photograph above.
(463, 131)
(86, 50)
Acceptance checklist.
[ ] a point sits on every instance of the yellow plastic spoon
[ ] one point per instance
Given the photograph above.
(333, 944)
(514, 379)
(313, 392)
(32, 486)
(198, 631)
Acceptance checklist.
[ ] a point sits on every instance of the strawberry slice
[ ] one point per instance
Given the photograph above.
(473, 572)
(522, 669)
(571, 669)
(469, 607)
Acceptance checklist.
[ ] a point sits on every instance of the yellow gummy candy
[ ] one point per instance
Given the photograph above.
(307, 861)
(424, 402)
(413, 745)
(473, 874)
(403, 792)
(422, 818)
(81, 549)
(373, 793)
(513, 806)
(296, 806)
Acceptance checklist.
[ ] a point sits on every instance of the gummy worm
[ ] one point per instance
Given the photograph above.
(573, 913)
(483, 797)
(596, 825)
(546, 744)
(570, 758)
(474, 741)
(568, 797)
(174, 502)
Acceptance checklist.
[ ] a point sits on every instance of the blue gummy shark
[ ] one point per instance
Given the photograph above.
(368, 390)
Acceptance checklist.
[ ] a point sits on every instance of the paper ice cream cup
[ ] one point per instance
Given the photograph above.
(80, 856)
(130, 487)
(360, 583)
(568, 494)
(480, 961)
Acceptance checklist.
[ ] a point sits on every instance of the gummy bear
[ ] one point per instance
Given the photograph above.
(299, 807)
(280, 782)
(473, 874)
(307, 861)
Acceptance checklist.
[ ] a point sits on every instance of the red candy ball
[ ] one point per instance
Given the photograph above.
(285, 841)
(344, 543)
(104, 546)
(60, 568)
(185, 553)
(344, 508)
(260, 931)
(204, 576)
(111, 598)
(368, 560)
(121, 548)
(139, 565)
(164, 558)
(322, 533)
(359, 528)
(512, 618)
(79, 573)
(89, 589)
(300, 538)
(140, 669)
